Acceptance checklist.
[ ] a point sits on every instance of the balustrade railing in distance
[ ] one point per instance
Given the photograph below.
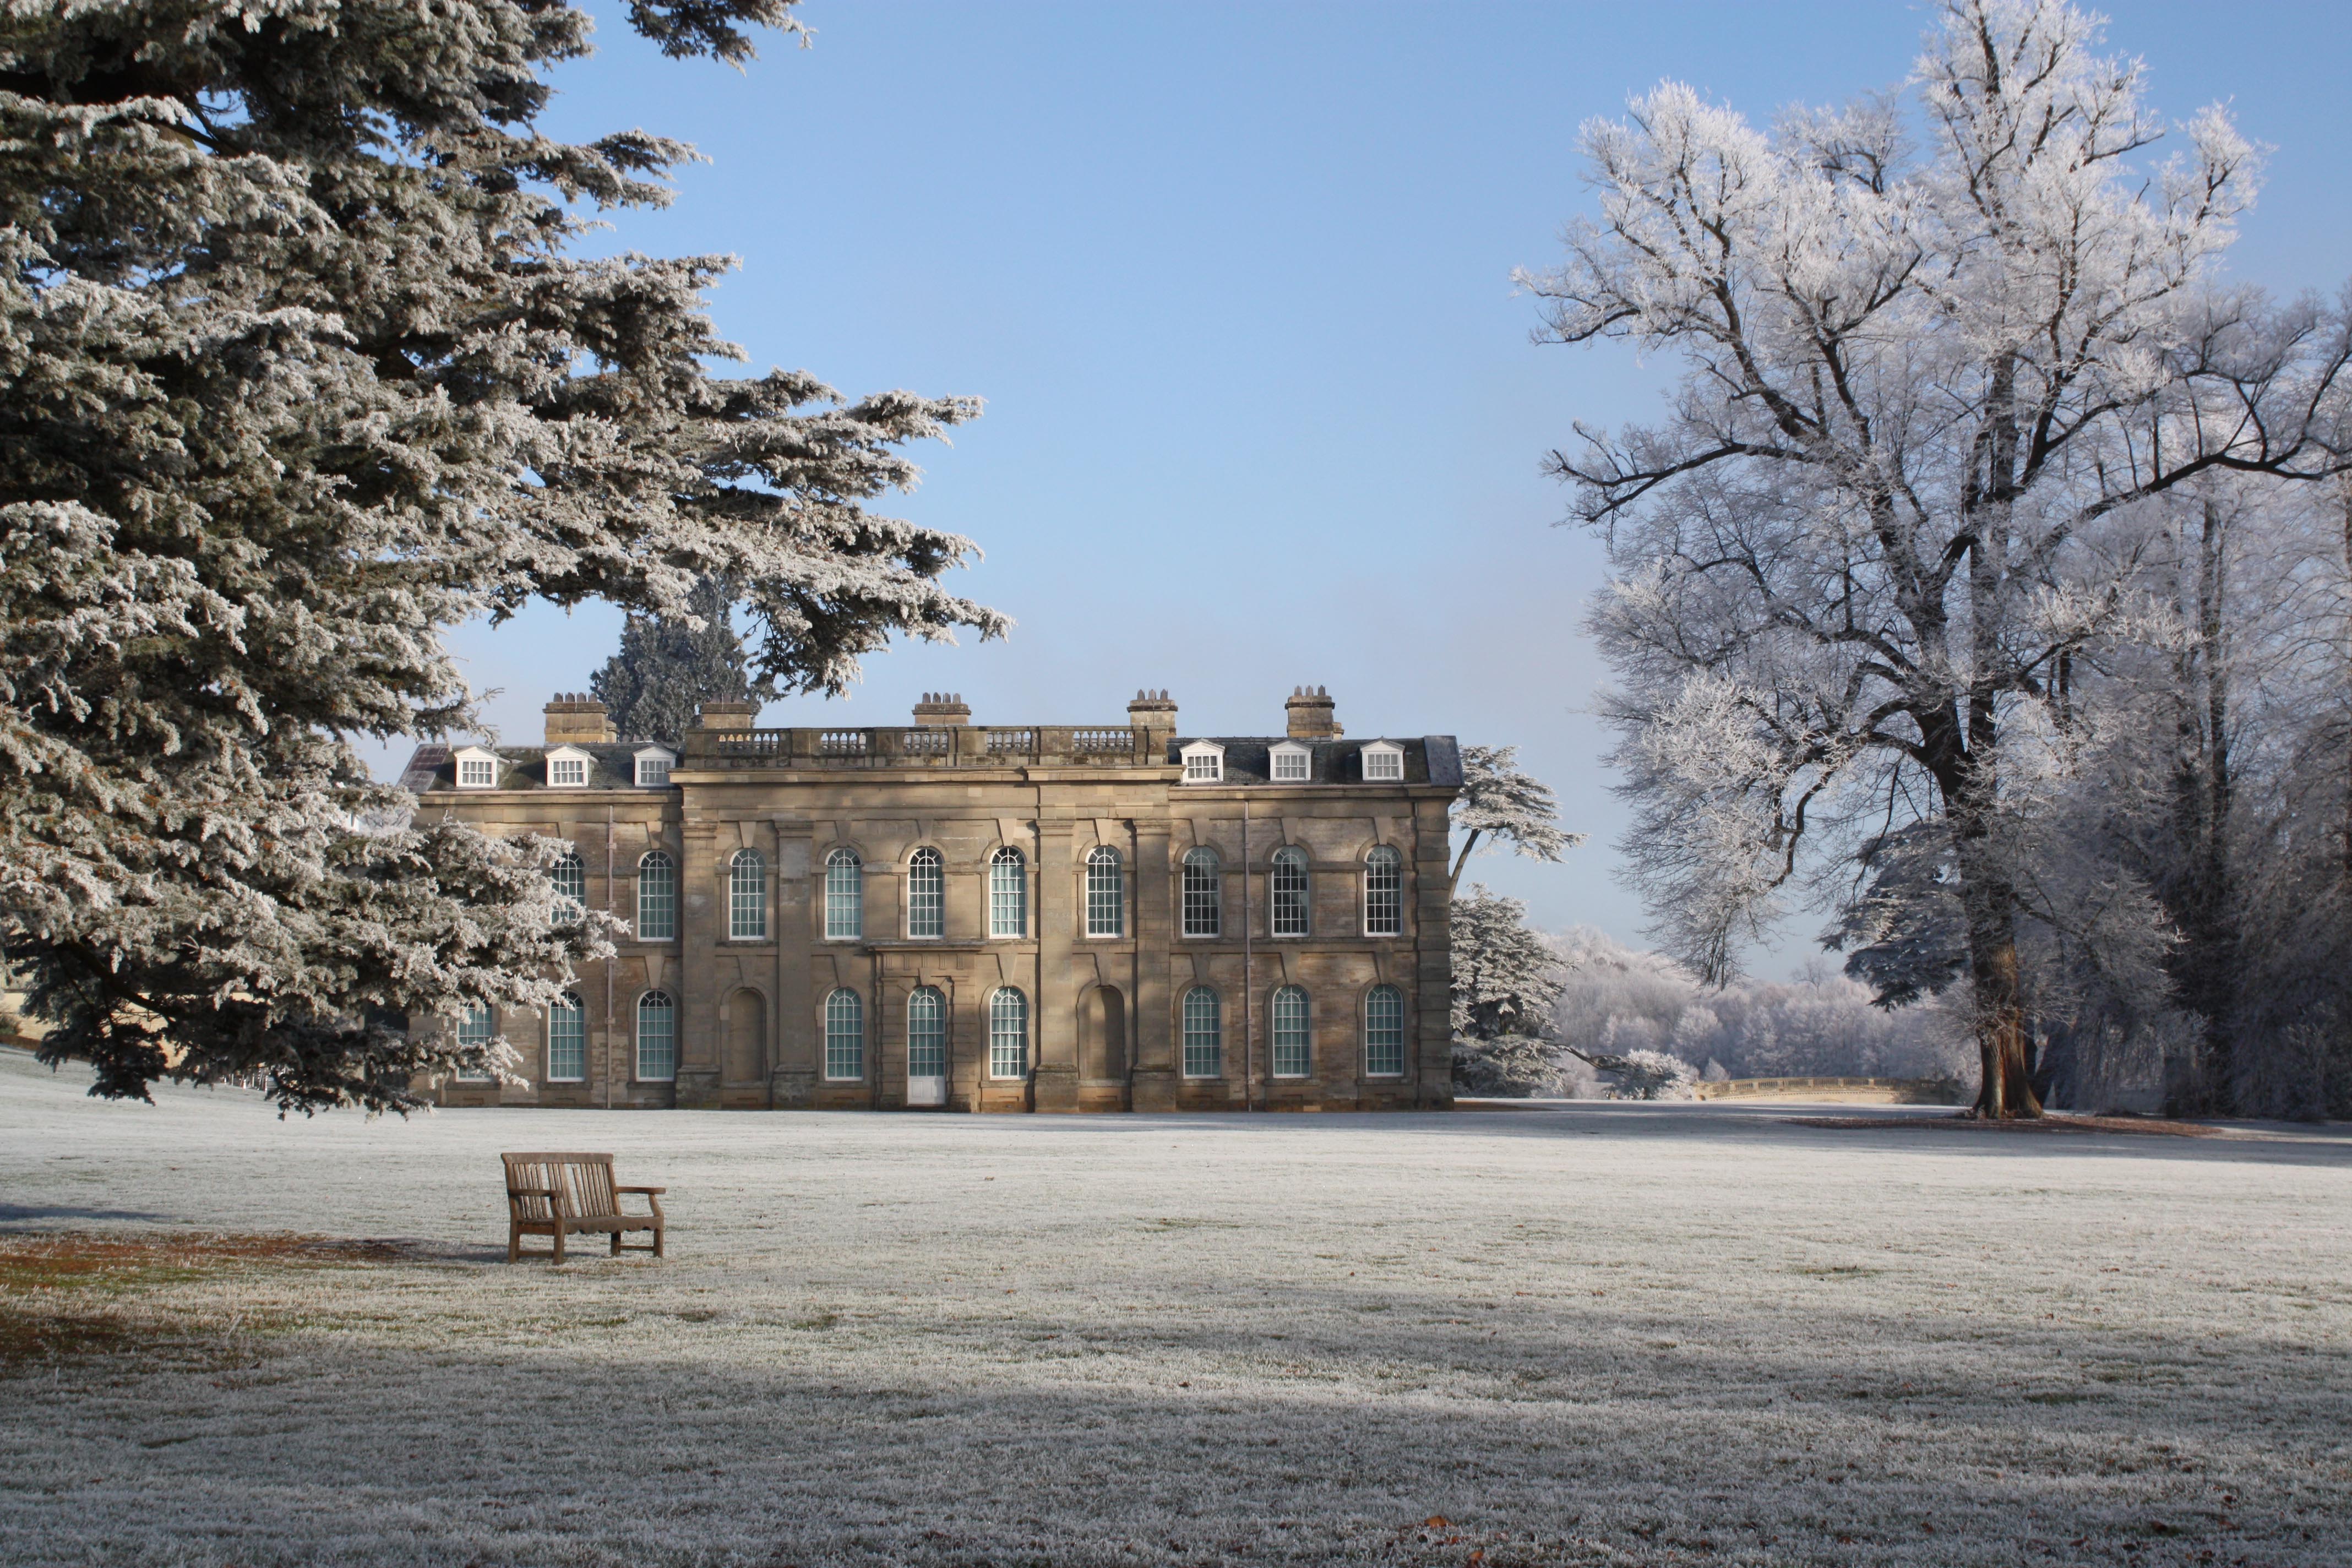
(969, 746)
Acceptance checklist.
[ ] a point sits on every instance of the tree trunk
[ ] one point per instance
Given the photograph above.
(1989, 903)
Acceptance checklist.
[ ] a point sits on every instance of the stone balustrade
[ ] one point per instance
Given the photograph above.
(922, 746)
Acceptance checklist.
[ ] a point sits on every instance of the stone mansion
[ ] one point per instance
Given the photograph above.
(981, 918)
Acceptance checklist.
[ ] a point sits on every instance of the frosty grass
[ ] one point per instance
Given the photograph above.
(1607, 1334)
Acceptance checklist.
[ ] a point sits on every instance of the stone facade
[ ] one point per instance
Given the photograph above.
(1024, 914)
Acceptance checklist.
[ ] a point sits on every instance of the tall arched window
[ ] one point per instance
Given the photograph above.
(567, 1040)
(1383, 893)
(1204, 1034)
(1204, 893)
(1008, 1034)
(747, 897)
(1008, 893)
(476, 1029)
(1290, 900)
(1384, 1032)
(657, 897)
(1293, 1052)
(926, 1033)
(1105, 892)
(927, 895)
(656, 1038)
(845, 1034)
(571, 880)
(845, 896)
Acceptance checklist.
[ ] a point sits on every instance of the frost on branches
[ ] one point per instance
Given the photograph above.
(1499, 801)
(1946, 362)
(296, 372)
(1506, 981)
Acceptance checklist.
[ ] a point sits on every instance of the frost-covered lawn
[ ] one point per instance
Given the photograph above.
(1611, 1334)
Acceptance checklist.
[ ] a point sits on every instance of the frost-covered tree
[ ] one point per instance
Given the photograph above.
(1938, 363)
(297, 373)
(1506, 981)
(668, 666)
(1501, 801)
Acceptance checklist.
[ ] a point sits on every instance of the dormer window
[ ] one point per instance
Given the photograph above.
(1205, 762)
(653, 767)
(567, 768)
(1291, 762)
(477, 768)
(1384, 762)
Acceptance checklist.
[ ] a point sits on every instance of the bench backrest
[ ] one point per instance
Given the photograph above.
(585, 1181)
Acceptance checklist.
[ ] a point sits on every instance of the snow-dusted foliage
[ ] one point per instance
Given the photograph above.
(1947, 360)
(1499, 801)
(1506, 981)
(296, 372)
(668, 666)
(1649, 1075)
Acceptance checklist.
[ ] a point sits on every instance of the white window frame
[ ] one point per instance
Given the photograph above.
(998, 929)
(1205, 762)
(845, 1032)
(1289, 856)
(1207, 902)
(926, 865)
(1383, 762)
(566, 760)
(1304, 1066)
(1383, 992)
(569, 1002)
(747, 897)
(1106, 906)
(669, 871)
(477, 1028)
(1290, 762)
(927, 1036)
(1188, 1015)
(849, 906)
(1383, 854)
(669, 1008)
(472, 758)
(653, 767)
(1008, 1030)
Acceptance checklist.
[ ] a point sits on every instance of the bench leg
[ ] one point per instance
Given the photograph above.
(514, 1244)
(616, 1244)
(658, 1242)
(559, 1241)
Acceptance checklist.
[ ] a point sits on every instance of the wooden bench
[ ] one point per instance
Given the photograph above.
(560, 1194)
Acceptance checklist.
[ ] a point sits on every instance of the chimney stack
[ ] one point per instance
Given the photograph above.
(578, 719)
(728, 715)
(1151, 711)
(939, 710)
(1310, 715)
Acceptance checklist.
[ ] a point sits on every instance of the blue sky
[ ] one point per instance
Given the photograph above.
(1235, 281)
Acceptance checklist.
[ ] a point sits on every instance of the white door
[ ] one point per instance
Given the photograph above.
(927, 1047)
(928, 1090)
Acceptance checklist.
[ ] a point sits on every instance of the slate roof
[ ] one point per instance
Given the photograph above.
(613, 764)
(1428, 760)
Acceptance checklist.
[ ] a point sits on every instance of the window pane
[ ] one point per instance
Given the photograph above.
(657, 898)
(1383, 893)
(1290, 903)
(927, 895)
(845, 896)
(571, 880)
(567, 1041)
(653, 771)
(1008, 894)
(478, 771)
(1105, 893)
(656, 1038)
(926, 1033)
(747, 897)
(1290, 767)
(475, 1029)
(1204, 1042)
(1204, 895)
(845, 1034)
(1384, 1032)
(1292, 1052)
(1008, 1034)
(1384, 764)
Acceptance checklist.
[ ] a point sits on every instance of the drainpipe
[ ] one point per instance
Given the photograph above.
(1249, 1016)
(608, 962)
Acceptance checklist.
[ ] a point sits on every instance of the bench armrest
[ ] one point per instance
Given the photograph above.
(646, 1190)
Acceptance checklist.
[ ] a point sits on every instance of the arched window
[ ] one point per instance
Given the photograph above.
(657, 897)
(845, 1034)
(747, 897)
(1008, 893)
(1290, 901)
(926, 1033)
(1384, 1032)
(1204, 1034)
(476, 1029)
(927, 895)
(656, 1038)
(845, 896)
(567, 1040)
(1105, 892)
(1204, 893)
(1293, 1052)
(1008, 1034)
(571, 880)
(1383, 893)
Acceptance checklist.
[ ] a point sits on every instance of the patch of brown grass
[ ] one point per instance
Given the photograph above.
(2156, 1126)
